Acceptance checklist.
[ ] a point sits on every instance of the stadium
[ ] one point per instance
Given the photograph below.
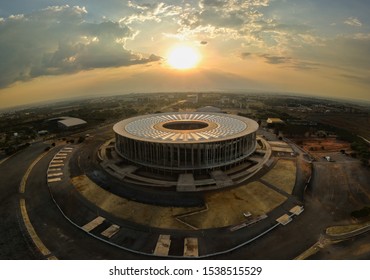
(186, 142)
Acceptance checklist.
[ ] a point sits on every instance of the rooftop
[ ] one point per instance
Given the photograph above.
(69, 122)
(185, 127)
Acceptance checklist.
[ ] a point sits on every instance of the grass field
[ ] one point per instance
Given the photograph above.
(283, 175)
(224, 208)
(155, 216)
(227, 207)
(347, 229)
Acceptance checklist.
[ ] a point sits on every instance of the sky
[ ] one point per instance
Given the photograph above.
(52, 50)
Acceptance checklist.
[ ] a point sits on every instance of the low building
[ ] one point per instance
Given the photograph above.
(209, 109)
(274, 121)
(71, 123)
(42, 132)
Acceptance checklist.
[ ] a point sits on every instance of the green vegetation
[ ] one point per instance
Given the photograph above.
(346, 229)
(361, 147)
(282, 175)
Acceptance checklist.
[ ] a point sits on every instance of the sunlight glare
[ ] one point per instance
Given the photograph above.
(183, 57)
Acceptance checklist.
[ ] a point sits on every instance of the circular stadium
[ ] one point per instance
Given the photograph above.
(180, 142)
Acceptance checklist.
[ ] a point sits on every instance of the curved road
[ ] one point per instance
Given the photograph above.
(65, 241)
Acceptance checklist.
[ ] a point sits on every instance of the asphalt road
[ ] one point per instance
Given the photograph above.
(63, 239)
(335, 189)
(14, 244)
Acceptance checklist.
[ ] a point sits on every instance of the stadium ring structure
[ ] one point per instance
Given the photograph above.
(181, 142)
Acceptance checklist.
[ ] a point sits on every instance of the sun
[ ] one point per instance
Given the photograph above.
(183, 57)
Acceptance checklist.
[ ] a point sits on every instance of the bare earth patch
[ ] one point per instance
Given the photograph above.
(324, 145)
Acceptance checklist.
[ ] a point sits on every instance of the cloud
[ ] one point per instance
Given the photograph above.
(357, 78)
(271, 59)
(284, 61)
(210, 18)
(58, 40)
(350, 52)
(245, 55)
(352, 21)
(151, 12)
(305, 65)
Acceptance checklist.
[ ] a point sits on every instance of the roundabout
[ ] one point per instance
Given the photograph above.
(123, 205)
(65, 203)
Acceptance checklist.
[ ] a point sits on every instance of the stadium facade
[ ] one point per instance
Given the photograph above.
(186, 142)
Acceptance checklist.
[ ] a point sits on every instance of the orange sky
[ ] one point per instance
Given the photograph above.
(58, 52)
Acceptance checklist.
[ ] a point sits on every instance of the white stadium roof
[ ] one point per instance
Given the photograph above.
(162, 127)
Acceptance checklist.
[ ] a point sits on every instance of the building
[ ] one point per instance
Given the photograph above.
(42, 132)
(274, 121)
(209, 109)
(186, 142)
(68, 123)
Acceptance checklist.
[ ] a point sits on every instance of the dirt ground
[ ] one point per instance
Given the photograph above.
(322, 145)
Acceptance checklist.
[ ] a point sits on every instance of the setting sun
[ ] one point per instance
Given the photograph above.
(183, 57)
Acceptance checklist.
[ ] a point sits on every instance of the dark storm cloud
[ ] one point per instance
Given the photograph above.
(57, 40)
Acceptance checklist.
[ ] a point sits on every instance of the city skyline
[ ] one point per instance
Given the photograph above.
(52, 50)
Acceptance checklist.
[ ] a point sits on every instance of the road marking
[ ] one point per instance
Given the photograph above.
(112, 230)
(54, 169)
(93, 224)
(31, 231)
(56, 165)
(284, 220)
(5, 159)
(62, 157)
(26, 220)
(68, 148)
(68, 151)
(22, 186)
(191, 247)
(163, 245)
(52, 180)
(55, 174)
(296, 210)
(57, 161)
(61, 154)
